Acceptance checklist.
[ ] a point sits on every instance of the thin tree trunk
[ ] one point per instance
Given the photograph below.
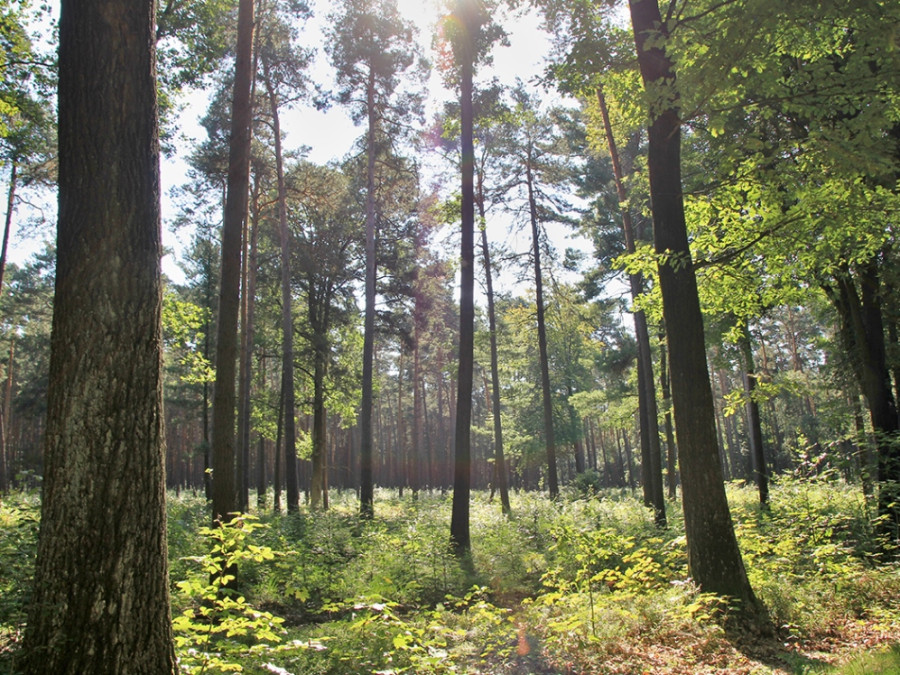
(10, 203)
(462, 474)
(549, 438)
(402, 447)
(650, 448)
(671, 448)
(261, 449)
(757, 451)
(366, 484)
(5, 462)
(317, 490)
(418, 430)
(500, 470)
(287, 315)
(245, 366)
(223, 437)
(276, 470)
(629, 462)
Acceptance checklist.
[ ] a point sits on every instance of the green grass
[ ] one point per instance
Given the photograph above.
(877, 662)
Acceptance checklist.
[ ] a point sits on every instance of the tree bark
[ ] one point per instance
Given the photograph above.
(714, 558)
(287, 315)
(546, 394)
(500, 471)
(462, 474)
(224, 498)
(318, 494)
(277, 454)
(10, 205)
(862, 332)
(754, 425)
(652, 456)
(100, 602)
(366, 483)
(245, 366)
(671, 448)
(261, 443)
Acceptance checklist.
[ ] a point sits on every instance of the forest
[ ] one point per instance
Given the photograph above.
(586, 368)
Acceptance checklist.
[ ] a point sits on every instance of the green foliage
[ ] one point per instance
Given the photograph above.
(583, 585)
(880, 662)
(18, 543)
(218, 627)
(810, 556)
(183, 325)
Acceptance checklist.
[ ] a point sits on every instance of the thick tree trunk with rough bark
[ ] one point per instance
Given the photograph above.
(714, 558)
(100, 603)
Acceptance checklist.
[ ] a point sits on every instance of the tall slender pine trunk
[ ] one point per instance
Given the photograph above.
(646, 386)
(754, 423)
(224, 493)
(287, 314)
(500, 473)
(462, 473)
(366, 483)
(546, 392)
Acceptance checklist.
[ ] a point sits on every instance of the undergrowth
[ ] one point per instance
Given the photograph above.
(581, 585)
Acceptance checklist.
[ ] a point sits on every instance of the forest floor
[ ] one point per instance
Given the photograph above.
(586, 585)
(861, 649)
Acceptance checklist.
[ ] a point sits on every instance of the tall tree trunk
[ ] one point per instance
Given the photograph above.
(629, 461)
(317, 488)
(402, 446)
(245, 366)
(205, 432)
(223, 440)
(7, 227)
(862, 332)
(287, 314)
(671, 448)
(261, 447)
(418, 445)
(277, 454)
(754, 425)
(500, 471)
(5, 410)
(100, 602)
(462, 474)
(652, 456)
(546, 394)
(714, 558)
(366, 484)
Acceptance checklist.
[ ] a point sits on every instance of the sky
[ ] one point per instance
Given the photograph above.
(329, 134)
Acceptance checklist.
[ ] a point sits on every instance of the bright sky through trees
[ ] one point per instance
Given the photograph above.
(330, 134)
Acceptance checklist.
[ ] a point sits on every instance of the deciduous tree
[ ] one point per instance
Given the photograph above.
(100, 601)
